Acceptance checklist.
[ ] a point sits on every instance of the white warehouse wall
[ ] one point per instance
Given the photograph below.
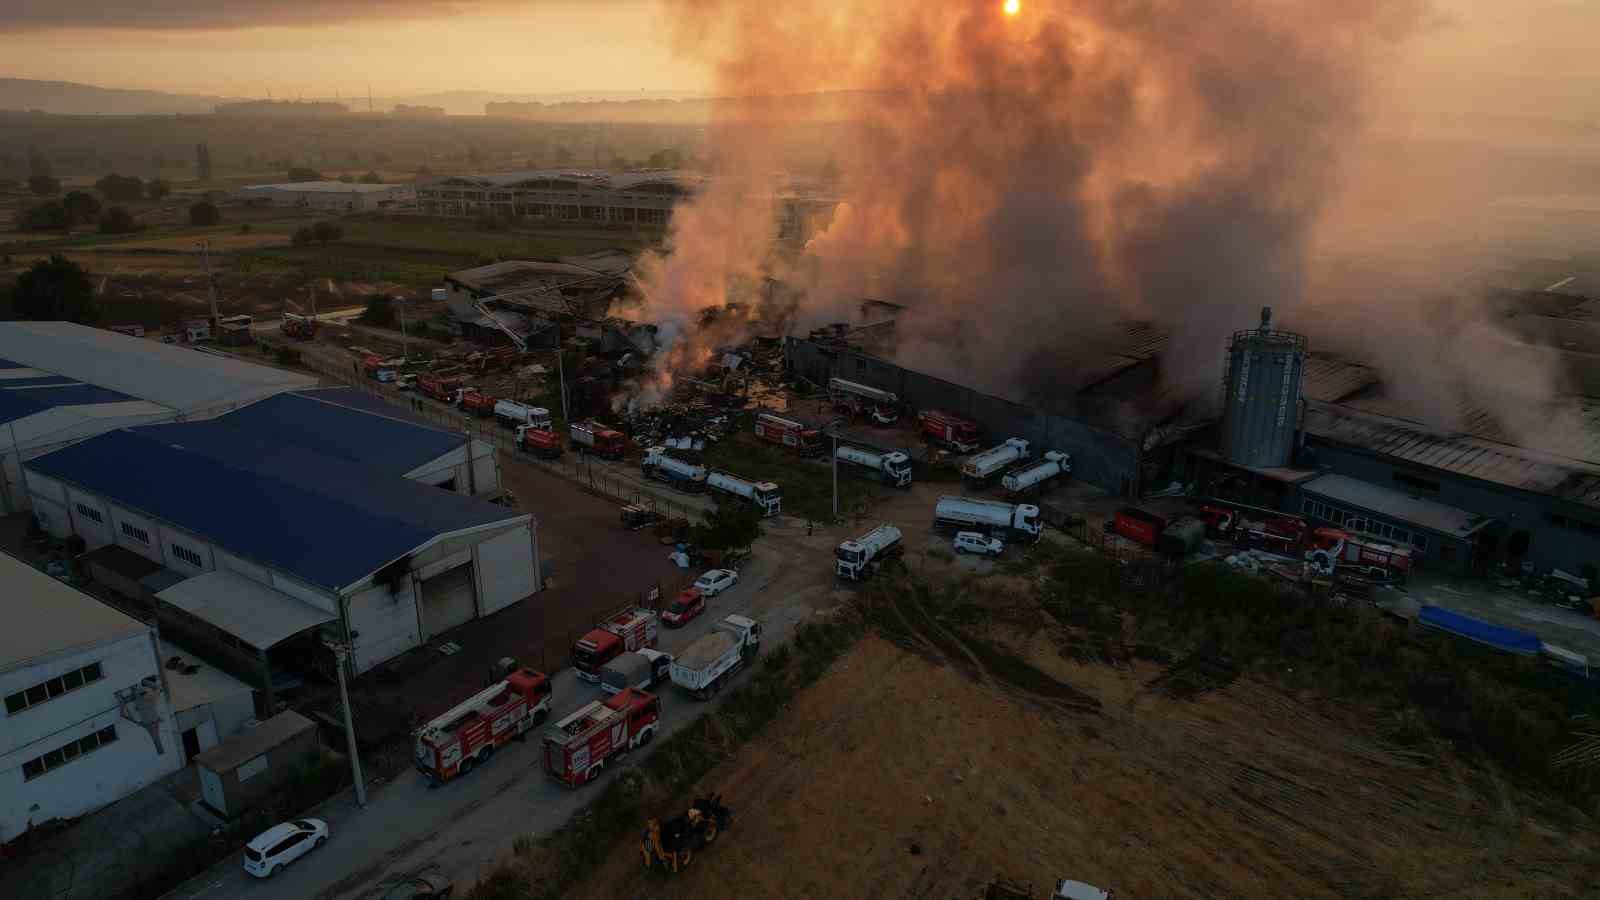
(97, 778)
(386, 624)
(505, 569)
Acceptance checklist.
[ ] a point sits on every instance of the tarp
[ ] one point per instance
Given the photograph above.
(1508, 639)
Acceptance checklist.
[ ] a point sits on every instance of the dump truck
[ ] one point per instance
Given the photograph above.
(893, 467)
(439, 387)
(1036, 477)
(982, 468)
(764, 495)
(538, 441)
(592, 437)
(706, 665)
(856, 560)
(995, 518)
(468, 734)
(949, 431)
(794, 436)
(658, 464)
(628, 629)
(512, 414)
(882, 407)
(577, 748)
(671, 844)
(642, 669)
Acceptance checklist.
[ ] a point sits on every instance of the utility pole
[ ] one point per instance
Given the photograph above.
(561, 373)
(341, 652)
(404, 346)
(211, 283)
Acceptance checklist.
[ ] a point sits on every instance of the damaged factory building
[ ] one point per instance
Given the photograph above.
(1296, 431)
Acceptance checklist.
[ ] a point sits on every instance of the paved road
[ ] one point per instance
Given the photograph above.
(460, 827)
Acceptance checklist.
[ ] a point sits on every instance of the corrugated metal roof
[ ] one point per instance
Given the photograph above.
(1420, 511)
(1580, 443)
(248, 610)
(172, 376)
(357, 399)
(35, 380)
(1462, 454)
(74, 619)
(252, 742)
(383, 443)
(320, 518)
(21, 402)
(1331, 379)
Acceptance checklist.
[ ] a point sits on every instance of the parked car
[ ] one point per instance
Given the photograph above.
(387, 375)
(431, 885)
(406, 382)
(690, 602)
(715, 581)
(281, 845)
(974, 542)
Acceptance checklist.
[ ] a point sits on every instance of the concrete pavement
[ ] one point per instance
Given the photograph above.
(461, 827)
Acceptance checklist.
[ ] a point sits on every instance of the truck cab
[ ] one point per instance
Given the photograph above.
(538, 441)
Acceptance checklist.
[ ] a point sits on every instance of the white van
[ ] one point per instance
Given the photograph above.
(283, 844)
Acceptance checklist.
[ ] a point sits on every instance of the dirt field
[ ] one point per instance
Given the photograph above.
(899, 777)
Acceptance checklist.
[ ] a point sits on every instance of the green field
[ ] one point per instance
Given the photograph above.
(466, 237)
(807, 485)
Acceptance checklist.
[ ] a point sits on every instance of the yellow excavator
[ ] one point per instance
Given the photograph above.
(671, 844)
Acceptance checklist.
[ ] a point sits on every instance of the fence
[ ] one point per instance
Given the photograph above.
(578, 468)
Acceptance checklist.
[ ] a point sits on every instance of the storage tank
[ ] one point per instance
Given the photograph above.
(1261, 400)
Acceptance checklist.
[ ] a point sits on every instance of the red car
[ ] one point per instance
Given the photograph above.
(689, 603)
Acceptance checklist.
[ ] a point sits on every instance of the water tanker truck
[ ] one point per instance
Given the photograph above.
(985, 466)
(681, 475)
(1036, 477)
(893, 467)
(856, 560)
(592, 437)
(763, 494)
(513, 414)
(1015, 521)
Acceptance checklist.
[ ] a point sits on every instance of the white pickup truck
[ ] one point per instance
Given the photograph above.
(714, 657)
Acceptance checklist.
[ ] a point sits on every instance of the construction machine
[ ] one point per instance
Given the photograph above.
(671, 844)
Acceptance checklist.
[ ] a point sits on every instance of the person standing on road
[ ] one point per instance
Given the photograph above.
(808, 528)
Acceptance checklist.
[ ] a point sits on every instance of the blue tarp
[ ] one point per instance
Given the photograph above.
(323, 519)
(1508, 639)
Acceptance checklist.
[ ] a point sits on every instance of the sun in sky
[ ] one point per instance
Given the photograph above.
(1011, 7)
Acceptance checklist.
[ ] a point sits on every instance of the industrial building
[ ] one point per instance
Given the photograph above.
(328, 196)
(61, 383)
(639, 198)
(1299, 431)
(87, 718)
(303, 516)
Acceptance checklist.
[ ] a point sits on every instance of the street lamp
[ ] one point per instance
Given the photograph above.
(833, 432)
(405, 351)
(341, 652)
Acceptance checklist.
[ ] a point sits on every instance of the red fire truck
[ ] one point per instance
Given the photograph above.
(468, 734)
(1331, 549)
(946, 430)
(789, 433)
(577, 748)
(474, 402)
(439, 387)
(592, 437)
(538, 441)
(629, 629)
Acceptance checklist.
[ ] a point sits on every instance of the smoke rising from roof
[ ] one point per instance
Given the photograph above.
(1025, 183)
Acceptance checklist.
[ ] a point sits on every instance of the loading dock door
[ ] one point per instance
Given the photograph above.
(448, 599)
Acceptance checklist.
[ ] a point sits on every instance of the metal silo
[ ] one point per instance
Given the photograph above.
(1261, 399)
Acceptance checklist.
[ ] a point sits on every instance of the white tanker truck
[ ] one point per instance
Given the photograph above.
(681, 475)
(1016, 522)
(1033, 478)
(991, 462)
(763, 494)
(893, 467)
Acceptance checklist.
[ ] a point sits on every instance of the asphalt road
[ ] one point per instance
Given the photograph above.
(460, 827)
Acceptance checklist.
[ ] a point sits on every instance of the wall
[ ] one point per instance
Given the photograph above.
(95, 779)
(1105, 460)
(1551, 546)
(505, 569)
(386, 623)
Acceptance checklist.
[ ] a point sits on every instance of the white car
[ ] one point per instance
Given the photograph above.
(715, 581)
(283, 844)
(973, 542)
(1077, 890)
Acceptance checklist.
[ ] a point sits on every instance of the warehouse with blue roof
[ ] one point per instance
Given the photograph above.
(304, 514)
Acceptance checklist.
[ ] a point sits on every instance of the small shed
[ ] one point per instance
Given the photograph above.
(238, 773)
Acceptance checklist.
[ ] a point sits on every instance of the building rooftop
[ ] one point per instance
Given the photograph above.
(575, 178)
(325, 519)
(45, 616)
(322, 422)
(326, 187)
(208, 684)
(124, 369)
(1429, 514)
(252, 742)
(248, 610)
(1462, 454)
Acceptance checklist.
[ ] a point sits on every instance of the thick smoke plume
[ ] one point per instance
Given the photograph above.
(1025, 183)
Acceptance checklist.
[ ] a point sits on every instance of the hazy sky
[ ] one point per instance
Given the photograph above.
(1532, 56)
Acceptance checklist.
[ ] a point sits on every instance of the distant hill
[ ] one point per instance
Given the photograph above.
(71, 99)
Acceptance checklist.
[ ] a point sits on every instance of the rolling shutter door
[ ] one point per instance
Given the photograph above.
(448, 599)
